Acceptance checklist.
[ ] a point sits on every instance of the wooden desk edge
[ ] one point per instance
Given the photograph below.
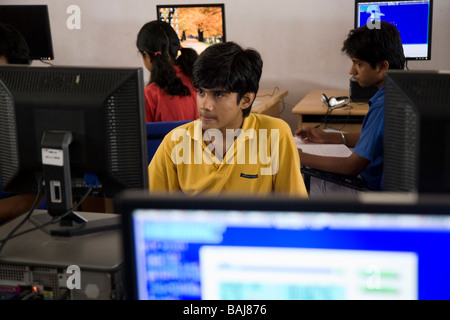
(359, 108)
(276, 96)
(303, 108)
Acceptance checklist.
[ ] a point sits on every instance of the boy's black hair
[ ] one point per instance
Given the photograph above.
(13, 45)
(375, 45)
(229, 67)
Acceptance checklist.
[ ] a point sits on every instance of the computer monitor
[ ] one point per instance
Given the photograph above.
(274, 248)
(72, 129)
(413, 19)
(417, 131)
(197, 25)
(33, 22)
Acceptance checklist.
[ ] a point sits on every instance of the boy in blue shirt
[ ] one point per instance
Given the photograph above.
(373, 52)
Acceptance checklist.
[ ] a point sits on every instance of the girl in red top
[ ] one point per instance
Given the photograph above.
(170, 95)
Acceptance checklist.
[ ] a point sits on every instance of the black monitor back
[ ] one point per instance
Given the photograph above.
(33, 22)
(103, 108)
(417, 132)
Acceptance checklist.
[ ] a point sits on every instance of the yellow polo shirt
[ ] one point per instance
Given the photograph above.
(262, 159)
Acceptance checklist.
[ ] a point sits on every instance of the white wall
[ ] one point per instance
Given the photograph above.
(299, 40)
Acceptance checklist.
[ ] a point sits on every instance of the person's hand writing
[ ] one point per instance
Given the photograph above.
(311, 135)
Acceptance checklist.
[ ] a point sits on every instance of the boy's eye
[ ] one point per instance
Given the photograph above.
(200, 91)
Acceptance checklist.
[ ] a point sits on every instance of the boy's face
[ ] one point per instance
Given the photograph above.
(363, 73)
(218, 109)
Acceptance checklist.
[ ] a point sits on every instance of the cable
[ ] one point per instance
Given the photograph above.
(53, 221)
(275, 89)
(30, 211)
(284, 106)
(269, 95)
(330, 109)
(46, 62)
(346, 120)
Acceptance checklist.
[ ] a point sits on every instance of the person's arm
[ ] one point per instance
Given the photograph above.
(316, 135)
(288, 178)
(351, 166)
(16, 205)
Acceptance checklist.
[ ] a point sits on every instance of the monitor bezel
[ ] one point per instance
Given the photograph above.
(381, 203)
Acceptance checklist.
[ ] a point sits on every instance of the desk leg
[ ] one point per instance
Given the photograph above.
(300, 121)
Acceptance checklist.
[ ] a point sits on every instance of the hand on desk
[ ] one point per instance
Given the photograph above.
(317, 135)
(311, 135)
(16, 205)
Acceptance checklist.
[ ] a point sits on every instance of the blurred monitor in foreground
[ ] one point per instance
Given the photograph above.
(274, 248)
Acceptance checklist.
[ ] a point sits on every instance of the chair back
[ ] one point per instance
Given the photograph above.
(156, 131)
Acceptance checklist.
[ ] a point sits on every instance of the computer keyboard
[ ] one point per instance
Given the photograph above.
(348, 181)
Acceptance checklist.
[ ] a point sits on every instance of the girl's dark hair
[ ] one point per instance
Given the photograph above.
(13, 45)
(375, 45)
(230, 67)
(160, 41)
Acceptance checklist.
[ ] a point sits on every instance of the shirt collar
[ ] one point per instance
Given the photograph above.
(379, 94)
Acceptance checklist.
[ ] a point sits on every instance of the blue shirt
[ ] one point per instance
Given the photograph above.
(370, 144)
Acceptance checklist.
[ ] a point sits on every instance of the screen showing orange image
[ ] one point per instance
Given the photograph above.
(198, 26)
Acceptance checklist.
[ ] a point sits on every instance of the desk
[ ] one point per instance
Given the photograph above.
(311, 110)
(268, 102)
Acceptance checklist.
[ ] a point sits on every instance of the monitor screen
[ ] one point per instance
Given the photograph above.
(72, 129)
(197, 25)
(286, 249)
(32, 21)
(413, 19)
(417, 131)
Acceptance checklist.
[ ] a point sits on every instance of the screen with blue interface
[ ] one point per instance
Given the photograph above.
(237, 255)
(413, 19)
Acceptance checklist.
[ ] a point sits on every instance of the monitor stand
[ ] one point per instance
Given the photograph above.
(58, 191)
(76, 225)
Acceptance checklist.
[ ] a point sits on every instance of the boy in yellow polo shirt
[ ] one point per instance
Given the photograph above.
(228, 149)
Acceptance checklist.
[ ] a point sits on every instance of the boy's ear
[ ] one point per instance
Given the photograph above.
(384, 66)
(247, 100)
